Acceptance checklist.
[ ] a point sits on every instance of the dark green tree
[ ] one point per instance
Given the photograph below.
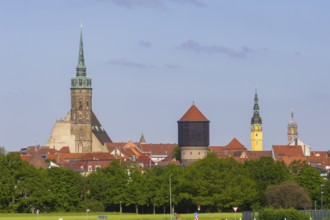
(108, 185)
(65, 186)
(288, 195)
(326, 193)
(219, 183)
(177, 153)
(307, 177)
(135, 190)
(266, 172)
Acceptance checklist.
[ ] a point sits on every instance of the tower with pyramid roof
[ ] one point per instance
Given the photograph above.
(292, 130)
(256, 126)
(80, 129)
(193, 135)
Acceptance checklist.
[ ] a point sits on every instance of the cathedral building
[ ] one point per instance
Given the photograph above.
(80, 130)
(256, 127)
(193, 135)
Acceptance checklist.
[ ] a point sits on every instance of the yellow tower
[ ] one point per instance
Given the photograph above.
(256, 127)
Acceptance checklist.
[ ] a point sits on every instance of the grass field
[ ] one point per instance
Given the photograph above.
(111, 216)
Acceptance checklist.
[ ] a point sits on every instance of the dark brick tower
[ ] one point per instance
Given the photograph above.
(193, 135)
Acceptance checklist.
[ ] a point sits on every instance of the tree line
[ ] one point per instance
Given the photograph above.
(212, 184)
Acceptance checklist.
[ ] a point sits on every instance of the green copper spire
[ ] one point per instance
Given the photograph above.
(256, 119)
(81, 68)
(81, 80)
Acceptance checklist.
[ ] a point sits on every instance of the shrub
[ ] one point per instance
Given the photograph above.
(281, 214)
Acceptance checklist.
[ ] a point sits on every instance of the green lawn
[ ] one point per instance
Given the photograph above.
(111, 216)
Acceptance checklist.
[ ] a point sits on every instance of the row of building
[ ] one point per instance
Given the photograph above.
(79, 142)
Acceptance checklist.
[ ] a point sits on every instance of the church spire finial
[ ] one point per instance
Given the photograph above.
(256, 119)
(81, 68)
(292, 116)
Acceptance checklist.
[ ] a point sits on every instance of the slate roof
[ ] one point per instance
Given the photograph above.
(193, 114)
(98, 130)
(142, 139)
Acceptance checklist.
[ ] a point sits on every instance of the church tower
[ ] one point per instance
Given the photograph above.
(81, 105)
(292, 130)
(80, 130)
(256, 127)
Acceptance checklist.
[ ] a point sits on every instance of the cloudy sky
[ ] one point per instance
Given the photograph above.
(151, 59)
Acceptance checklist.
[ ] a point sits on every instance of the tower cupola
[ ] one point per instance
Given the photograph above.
(256, 119)
(292, 129)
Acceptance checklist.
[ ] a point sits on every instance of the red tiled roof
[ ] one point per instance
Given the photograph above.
(164, 163)
(114, 145)
(289, 160)
(255, 155)
(287, 150)
(46, 150)
(320, 153)
(157, 149)
(25, 157)
(145, 160)
(193, 114)
(235, 145)
(60, 157)
(37, 161)
(96, 156)
(64, 150)
(231, 148)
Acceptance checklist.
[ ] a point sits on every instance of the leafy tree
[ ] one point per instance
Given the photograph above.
(307, 177)
(108, 185)
(275, 214)
(219, 183)
(135, 189)
(97, 187)
(2, 150)
(288, 195)
(326, 193)
(65, 186)
(13, 174)
(177, 153)
(35, 192)
(266, 172)
(152, 184)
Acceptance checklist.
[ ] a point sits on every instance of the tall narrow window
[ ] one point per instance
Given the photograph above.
(80, 103)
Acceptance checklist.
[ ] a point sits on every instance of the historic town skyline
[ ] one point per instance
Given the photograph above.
(149, 60)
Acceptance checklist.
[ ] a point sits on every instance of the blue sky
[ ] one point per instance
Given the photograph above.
(150, 59)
